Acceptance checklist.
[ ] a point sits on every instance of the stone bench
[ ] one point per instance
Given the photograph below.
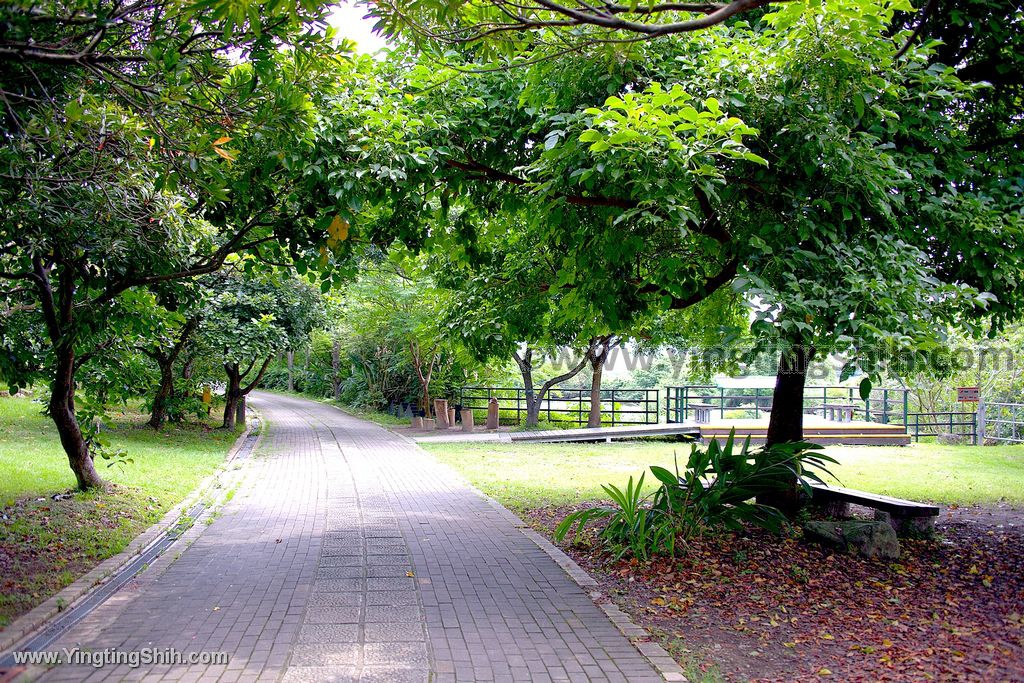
(905, 516)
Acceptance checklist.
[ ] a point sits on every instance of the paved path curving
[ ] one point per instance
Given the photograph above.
(348, 554)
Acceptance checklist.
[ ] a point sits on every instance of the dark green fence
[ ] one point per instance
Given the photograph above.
(887, 406)
(568, 407)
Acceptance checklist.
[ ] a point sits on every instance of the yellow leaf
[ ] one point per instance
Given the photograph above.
(827, 636)
(824, 672)
(338, 229)
(228, 154)
(221, 141)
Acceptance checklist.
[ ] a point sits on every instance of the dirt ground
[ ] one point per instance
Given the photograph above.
(753, 607)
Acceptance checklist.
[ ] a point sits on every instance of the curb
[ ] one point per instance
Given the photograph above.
(29, 624)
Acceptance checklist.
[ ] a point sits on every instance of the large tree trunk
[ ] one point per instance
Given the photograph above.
(786, 424)
(164, 393)
(240, 412)
(62, 412)
(232, 395)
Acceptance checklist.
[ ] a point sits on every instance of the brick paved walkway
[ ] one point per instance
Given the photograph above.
(348, 554)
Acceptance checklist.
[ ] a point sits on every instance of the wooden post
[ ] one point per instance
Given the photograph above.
(467, 420)
(451, 418)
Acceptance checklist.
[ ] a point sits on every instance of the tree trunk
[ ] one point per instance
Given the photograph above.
(240, 412)
(336, 369)
(232, 394)
(594, 419)
(291, 367)
(786, 424)
(164, 392)
(535, 400)
(598, 357)
(62, 397)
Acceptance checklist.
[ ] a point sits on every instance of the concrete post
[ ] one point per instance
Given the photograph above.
(979, 427)
(492, 414)
(441, 412)
(467, 420)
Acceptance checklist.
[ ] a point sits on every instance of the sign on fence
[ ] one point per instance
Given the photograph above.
(968, 394)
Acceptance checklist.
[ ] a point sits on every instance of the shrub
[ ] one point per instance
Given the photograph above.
(717, 489)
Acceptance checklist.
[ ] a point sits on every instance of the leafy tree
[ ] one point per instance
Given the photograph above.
(176, 334)
(127, 128)
(854, 226)
(247, 322)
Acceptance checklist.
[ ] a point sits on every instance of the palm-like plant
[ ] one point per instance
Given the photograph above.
(717, 489)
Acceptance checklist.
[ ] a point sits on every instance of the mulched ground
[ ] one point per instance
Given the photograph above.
(751, 606)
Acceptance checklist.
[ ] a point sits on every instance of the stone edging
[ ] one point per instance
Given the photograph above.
(659, 658)
(27, 625)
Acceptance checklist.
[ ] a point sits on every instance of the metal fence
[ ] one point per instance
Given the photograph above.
(958, 424)
(1004, 422)
(570, 407)
(887, 406)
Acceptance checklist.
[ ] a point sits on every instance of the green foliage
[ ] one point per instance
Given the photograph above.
(716, 490)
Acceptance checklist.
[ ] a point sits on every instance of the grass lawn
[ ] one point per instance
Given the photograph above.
(526, 476)
(49, 539)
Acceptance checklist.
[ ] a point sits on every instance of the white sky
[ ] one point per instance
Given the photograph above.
(348, 19)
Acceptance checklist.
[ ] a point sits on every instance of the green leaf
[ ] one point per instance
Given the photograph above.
(865, 388)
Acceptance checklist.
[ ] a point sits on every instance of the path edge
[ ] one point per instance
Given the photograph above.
(39, 617)
(640, 638)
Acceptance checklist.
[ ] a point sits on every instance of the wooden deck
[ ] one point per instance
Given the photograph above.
(816, 430)
(681, 430)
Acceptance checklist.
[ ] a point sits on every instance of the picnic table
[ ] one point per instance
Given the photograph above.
(839, 412)
(701, 412)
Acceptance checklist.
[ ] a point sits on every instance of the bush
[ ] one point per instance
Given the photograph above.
(717, 489)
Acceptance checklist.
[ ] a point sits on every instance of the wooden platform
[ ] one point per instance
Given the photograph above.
(681, 430)
(823, 432)
(816, 430)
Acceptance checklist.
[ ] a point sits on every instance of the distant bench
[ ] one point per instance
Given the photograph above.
(838, 412)
(701, 412)
(903, 515)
